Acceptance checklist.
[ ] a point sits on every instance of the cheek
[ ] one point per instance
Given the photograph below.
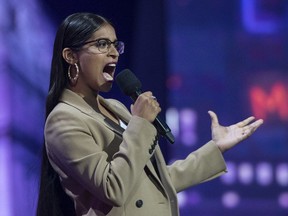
(90, 67)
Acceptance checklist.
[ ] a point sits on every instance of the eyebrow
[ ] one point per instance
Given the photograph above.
(104, 38)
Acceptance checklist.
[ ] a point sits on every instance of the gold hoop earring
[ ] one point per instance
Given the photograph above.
(76, 75)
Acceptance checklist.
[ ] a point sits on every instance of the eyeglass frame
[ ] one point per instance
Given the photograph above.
(109, 42)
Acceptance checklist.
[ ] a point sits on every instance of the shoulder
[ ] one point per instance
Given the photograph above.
(63, 115)
(64, 109)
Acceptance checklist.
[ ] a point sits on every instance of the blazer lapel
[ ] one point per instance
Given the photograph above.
(160, 178)
(164, 175)
(73, 99)
(119, 110)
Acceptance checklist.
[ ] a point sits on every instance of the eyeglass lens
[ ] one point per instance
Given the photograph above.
(104, 45)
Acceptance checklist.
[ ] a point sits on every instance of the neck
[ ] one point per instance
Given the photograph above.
(89, 96)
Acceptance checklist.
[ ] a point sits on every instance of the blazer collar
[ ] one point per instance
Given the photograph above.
(116, 108)
(71, 98)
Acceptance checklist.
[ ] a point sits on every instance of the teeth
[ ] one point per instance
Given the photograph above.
(109, 68)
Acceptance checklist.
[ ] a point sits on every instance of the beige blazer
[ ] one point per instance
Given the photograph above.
(107, 170)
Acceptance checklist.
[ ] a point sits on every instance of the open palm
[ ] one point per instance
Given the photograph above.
(227, 137)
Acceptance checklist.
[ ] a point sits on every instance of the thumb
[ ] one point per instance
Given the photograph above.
(131, 107)
(214, 119)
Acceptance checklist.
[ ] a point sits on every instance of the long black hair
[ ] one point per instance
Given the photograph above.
(73, 32)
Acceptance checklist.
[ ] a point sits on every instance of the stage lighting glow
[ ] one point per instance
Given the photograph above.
(230, 177)
(282, 174)
(265, 104)
(188, 119)
(264, 173)
(230, 199)
(256, 20)
(5, 182)
(182, 198)
(172, 119)
(245, 172)
(283, 200)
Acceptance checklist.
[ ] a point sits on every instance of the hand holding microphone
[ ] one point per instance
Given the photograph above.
(146, 105)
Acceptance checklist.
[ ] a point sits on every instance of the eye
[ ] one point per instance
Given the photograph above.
(101, 43)
(116, 44)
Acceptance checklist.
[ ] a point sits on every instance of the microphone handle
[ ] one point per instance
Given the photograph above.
(163, 129)
(161, 126)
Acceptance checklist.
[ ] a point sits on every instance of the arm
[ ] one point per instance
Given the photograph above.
(207, 162)
(201, 165)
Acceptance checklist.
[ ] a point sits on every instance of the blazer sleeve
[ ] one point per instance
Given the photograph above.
(77, 154)
(199, 166)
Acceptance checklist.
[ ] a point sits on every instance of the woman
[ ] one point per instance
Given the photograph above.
(100, 159)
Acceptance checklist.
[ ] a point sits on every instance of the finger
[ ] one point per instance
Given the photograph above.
(155, 103)
(158, 109)
(249, 129)
(245, 121)
(214, 118)
(256, 124)
(147, 94)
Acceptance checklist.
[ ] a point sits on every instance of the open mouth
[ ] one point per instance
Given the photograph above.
(108, 71)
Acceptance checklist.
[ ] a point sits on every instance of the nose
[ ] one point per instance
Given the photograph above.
(113, 51)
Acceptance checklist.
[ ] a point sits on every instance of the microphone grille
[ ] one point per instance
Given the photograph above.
(128, 82)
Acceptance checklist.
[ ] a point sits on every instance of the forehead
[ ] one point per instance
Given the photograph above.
(105, 31)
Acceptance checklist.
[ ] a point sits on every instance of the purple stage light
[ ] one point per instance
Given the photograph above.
(264, 173)
(230, 177)
(282, 174)
(245, 172)
(230, 199)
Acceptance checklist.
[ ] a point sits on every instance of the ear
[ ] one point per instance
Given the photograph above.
(69, 56)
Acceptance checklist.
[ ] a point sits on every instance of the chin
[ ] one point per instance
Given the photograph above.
(107, 87)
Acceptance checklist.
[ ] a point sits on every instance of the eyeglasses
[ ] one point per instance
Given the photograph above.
(104, 45)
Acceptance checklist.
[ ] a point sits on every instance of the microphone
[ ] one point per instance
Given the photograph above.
(130, 85)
